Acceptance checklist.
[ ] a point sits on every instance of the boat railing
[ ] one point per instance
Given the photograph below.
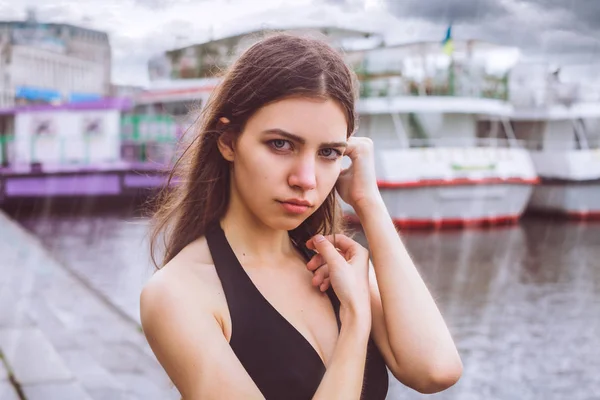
(562, 145)
(454, 142)
(459, 85)
(526, 95)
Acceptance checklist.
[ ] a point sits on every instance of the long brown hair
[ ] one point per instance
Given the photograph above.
(276, 67)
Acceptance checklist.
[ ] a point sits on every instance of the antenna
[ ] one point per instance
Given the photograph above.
(31, 14)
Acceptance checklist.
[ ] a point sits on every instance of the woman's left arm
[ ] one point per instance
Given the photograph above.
(407, 325)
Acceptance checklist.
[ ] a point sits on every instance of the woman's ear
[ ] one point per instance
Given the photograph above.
(225, 143)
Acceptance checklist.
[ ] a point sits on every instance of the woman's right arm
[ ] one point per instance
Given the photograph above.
(188, 341)
(344, 376)
(347, 262)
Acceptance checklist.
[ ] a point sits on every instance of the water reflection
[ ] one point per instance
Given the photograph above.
(103, 243)
(523, 305)
(522, 302)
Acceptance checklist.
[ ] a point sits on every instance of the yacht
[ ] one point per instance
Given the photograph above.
(559, 122)
(446, 156)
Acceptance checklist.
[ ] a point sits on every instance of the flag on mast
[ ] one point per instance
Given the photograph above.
(448, 43)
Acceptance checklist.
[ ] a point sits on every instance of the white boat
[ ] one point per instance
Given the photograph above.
(438, 165)
(560, 122)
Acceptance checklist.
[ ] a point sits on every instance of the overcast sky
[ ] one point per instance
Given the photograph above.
(564, 31)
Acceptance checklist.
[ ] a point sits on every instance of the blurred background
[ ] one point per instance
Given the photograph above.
(485, 116)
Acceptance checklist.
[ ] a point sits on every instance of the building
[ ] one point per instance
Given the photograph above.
(52, 63)
(130, 91)
(208, 59)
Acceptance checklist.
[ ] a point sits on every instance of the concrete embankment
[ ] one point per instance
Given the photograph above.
(59, 339)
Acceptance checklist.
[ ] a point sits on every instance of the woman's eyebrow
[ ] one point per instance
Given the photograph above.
(301, 140)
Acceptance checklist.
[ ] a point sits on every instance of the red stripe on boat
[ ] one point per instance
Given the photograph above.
(444, 223)
(456, 182)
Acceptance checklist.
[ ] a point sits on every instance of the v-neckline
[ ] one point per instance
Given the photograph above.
(330, 295)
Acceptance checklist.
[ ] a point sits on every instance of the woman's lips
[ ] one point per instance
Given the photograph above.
(293, 208)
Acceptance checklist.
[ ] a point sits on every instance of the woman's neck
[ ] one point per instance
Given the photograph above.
(253, 242)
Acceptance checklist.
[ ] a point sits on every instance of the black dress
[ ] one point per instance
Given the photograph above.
(280, 361)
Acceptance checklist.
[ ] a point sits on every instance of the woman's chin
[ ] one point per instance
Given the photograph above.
(287, 223)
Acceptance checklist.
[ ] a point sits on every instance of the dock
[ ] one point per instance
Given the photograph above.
(59, 339)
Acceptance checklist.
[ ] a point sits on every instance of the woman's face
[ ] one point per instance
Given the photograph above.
(287, 160)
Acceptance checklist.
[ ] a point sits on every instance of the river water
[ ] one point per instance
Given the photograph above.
(522, 302)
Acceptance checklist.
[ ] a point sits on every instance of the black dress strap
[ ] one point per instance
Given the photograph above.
(281, 362)
(238, 288)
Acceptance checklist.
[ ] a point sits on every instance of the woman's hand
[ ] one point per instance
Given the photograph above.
(320, 278)
(348, 266)
(358, 183)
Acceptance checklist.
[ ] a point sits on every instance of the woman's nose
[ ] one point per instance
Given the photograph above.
(303, 174)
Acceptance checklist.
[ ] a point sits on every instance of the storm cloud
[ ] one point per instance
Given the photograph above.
(584, 14)
(560, 31)
(564, 31)
(448, 10)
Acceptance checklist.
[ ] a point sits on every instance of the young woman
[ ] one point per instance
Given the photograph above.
(260, 294)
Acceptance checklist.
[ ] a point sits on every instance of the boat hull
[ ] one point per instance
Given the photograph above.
(570, 183)
(577, 200)
(454, 206)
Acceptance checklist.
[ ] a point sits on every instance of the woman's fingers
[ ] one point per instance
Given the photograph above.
(315, 262)
(326, 249)
(332, 251)
(325, 285)
(320, 272)
(320, 275)
(342, 242)
(346, 246)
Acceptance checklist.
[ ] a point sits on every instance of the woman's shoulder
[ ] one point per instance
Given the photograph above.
(187, 284)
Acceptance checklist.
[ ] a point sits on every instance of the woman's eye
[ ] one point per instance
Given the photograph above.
(278, 144)
(332, 154)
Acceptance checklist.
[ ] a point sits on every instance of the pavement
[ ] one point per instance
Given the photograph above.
(59, 339)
